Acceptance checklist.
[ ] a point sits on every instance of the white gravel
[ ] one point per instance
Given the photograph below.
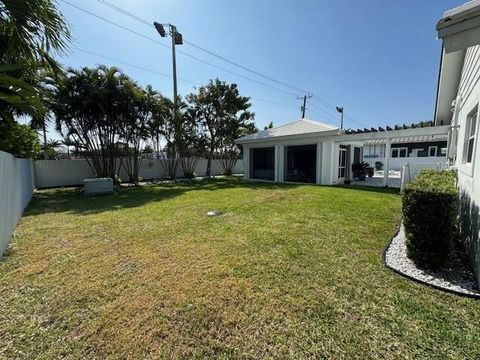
(397, 259)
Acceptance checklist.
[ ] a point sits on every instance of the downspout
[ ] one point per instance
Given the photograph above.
(453, 134)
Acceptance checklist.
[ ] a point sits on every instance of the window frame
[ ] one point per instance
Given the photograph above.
(436, 151)
(399, 150)
(472, 119)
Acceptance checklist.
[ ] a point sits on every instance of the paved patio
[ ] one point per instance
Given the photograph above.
(394, 179)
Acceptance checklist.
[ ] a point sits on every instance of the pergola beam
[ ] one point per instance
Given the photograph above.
(426, 131)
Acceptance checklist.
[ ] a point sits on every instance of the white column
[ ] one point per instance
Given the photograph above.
(319, 163)
(246, 162)
(329, 162)
(276, 163)
(279, 163)
(351, 155)
(386, 168)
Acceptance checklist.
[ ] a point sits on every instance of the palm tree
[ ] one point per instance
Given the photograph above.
(67, 142)
(31, 31)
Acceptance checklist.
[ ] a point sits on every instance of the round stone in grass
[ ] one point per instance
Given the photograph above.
(214, 213)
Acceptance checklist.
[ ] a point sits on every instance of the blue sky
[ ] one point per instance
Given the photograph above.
(379, 59)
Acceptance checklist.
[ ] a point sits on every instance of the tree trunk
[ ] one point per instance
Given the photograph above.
(209, 163)
(45, 156)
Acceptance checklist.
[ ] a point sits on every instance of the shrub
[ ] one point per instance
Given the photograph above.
(19, 140)
(430, 209)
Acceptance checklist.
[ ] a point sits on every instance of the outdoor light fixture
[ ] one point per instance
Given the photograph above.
(340, 111)
(160, 29)
(177, 39)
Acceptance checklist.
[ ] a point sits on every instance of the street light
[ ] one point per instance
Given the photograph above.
(340, 111)
(177, 39)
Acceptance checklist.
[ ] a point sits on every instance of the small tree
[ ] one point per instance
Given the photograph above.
(135, 131)
(19, 140)
(222, 114)
(91, 107)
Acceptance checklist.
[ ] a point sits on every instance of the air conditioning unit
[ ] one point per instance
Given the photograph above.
(97, 186)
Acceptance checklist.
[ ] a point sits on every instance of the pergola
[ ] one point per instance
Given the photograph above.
(388, 136)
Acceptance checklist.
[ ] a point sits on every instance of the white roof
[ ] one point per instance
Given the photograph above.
(468, 6)
(299, 127)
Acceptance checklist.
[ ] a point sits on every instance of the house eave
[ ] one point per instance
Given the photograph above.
(302, 136)
(460, 27)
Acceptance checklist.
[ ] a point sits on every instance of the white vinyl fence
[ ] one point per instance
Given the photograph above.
(410, 170)
(56, 173)
(16, 189)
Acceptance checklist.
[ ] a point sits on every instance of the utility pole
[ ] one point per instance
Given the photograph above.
(304, 106)
(340, 110)
(177, 39)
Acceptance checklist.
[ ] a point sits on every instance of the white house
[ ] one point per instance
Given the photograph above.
(458, 98)
(302, 151)
(307, 151)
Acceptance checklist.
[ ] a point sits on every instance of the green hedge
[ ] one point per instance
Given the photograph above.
(430, 211)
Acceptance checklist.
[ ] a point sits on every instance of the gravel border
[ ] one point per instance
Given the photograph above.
(395, 258)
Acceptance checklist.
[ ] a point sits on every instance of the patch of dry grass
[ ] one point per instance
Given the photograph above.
(286, 271)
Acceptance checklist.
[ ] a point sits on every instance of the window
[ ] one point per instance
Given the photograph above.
(342, 163)
(470, 134)
(415, 152)
(443, 151)
(400, 152)
(373, 151)
(432, 151)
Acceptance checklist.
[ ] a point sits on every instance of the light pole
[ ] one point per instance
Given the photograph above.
(340, 110)
(177, 39)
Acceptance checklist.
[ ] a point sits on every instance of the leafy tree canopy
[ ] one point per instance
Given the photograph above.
(19, 140)
(223, 114)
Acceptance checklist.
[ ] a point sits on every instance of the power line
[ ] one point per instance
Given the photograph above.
(179, 51)
(145, 22)
(273, 102)
(168, 75)
(319, 100)
(330, 107)
(125, 12)
(115, 24)
(149, 24)
(130, 64)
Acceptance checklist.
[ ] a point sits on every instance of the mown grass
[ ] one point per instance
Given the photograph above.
(286, 271)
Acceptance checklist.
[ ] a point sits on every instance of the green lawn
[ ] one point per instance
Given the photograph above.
(286, 271)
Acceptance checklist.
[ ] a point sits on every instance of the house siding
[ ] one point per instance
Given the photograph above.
(469, 175)
(470, 72)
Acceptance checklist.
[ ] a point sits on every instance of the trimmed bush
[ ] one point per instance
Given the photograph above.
(430, 210)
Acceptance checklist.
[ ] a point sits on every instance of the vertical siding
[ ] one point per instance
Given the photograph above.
(469, 177)
(16, 189)
(470, 72)
(57, 173)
